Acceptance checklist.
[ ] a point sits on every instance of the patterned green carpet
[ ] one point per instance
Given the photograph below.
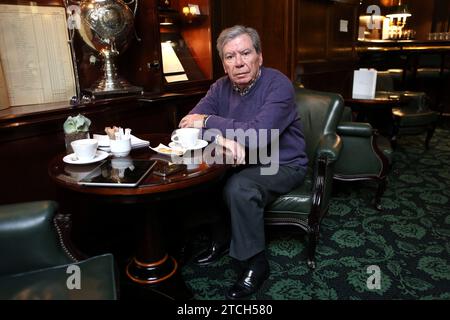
(409, 241)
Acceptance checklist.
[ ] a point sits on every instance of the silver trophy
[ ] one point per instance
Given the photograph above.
(107, 26)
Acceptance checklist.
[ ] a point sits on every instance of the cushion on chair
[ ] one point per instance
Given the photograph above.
(297, 202)
(411, 118)
(96, 275)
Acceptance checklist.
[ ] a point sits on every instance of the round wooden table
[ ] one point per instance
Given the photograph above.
(151, 265)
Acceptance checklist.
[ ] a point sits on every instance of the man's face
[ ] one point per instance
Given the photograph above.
(240, 60)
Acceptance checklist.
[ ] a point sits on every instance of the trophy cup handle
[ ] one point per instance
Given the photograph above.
(136, 4)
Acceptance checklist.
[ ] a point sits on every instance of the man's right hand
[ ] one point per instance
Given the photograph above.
(192, 121)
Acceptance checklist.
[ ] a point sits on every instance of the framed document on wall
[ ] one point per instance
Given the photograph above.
(35, 55)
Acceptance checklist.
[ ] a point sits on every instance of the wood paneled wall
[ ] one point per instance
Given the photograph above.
(273, 21)
(301, 38)
(326, 55)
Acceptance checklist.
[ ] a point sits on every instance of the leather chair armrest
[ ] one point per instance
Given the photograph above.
(355, 129)
(329, 146)
(98, 282)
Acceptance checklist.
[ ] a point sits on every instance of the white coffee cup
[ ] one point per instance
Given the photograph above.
(120, 148)
(85, 149)
(186, 137)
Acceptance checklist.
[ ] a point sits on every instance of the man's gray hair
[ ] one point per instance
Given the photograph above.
(230, 33)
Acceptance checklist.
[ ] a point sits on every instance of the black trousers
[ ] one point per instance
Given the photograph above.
(246, 193)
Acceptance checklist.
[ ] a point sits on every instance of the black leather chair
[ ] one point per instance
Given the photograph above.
(306, 206)
(413, 115)
(365, 155)
(35, 261)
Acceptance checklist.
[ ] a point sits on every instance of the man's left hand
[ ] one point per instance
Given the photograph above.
(232, 149)
(192, 121)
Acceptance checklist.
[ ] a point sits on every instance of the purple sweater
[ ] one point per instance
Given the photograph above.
(270, 104)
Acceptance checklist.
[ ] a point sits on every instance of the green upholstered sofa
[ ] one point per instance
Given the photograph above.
(36, 264)
(307, 205)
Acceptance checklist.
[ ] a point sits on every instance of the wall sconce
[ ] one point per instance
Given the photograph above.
(191, 9)
(191, 13)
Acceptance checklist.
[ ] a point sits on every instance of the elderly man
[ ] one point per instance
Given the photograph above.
(250, 97)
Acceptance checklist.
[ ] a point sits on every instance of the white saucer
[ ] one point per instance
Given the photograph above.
(199, 145)
(72, 159)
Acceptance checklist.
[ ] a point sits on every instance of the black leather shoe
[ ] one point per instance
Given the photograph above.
(249, 283)
(212, 254)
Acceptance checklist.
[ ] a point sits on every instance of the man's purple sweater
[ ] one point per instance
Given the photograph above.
(270, 104)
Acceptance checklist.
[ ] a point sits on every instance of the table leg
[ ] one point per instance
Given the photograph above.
(152, 266)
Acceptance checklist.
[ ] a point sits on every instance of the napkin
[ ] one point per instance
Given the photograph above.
(138, 143)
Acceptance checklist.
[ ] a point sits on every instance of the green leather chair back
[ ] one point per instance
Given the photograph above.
(320, 113)
(34, 261)
(24, 226)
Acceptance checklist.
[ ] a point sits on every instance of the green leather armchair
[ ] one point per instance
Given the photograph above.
(36, 264)
(413, 115)
(306, 206)
(365, 155)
